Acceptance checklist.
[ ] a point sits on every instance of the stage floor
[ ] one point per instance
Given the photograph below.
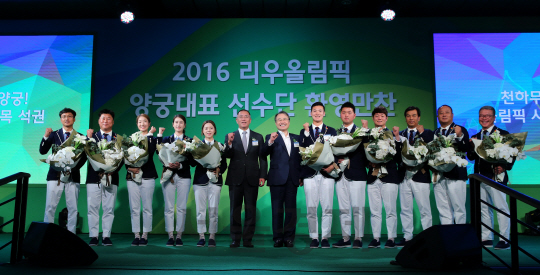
(156, 258)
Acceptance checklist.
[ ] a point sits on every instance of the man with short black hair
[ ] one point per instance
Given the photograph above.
(486, 118)
(283, 179)
(351, 185)
(97, 194)
(318, 185)
(383, 189)
(55, 186)
(417, 187)
(247, 172)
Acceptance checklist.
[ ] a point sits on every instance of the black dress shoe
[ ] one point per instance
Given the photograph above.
(248, 244)
(278, 243)
(289, 243)
(234, 244)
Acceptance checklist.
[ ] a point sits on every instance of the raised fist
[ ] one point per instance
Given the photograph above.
(458, 131)
(365, 124)
(89, 133)
(306, 127)
(273, 137)
(230, 138)
(161, 130)
(48, 132)
(420, 128)
(152, 130)
(395, 130)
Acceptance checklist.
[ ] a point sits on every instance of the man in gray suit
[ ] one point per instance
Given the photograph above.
(247, 171)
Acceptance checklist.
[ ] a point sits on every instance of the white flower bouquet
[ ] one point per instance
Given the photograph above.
(501, 149)
(414, 156)
(105, 157)
(135, 148)
(380, 149)
(443, 157)
(345, 142)
(317, 156)
(207, 156)
(66, 156)
(172, 153)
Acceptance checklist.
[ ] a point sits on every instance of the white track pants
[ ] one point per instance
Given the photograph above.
(380, 193)
(138, 192)
(54, 193)
(99, 195)
(451, 196)
(351, 195)
(319, 190)
(179, 190)
(419, 191)
(207, 194)
(497, 199)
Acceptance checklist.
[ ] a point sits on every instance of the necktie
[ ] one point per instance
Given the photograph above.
(106, 137)
(411, 137)
(484, 134)
(444, 132)
(316, 132)
(67, 135)
(245, 141)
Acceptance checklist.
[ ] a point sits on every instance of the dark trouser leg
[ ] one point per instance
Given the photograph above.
(290, 210)
(236, 196)
(250, 197)
(277, 194)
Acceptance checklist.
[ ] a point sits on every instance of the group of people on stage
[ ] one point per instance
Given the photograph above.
(248, 170)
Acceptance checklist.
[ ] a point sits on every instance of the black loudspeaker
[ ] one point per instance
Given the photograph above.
(442, 247)
(51, 245)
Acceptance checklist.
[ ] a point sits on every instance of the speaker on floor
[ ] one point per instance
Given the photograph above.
(51, 245)
(442, 247)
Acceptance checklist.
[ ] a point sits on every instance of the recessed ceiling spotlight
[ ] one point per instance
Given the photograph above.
(127, 17)
(388, 15)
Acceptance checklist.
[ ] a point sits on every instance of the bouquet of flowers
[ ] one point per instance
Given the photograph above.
(345, 142)
(501, 149)
(66, 156)
(317, 156)
(171, 153)
(135, 148)
(414, 156)
(380, 149)
(443, 157)
(208, 156)
(105, 157)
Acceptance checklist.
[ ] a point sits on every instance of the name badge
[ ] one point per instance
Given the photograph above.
(254, 143)
(296, 144)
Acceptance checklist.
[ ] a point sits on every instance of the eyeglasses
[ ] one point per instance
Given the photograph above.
(485, 116)
(282, 119)
(242, 117)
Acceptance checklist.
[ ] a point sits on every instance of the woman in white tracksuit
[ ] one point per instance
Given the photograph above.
(178, 187)
(143, 191)
(206, 192)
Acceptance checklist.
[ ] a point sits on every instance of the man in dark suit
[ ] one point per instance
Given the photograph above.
(486, 117)
(55, 186)
(318, 185)
(451, 190)
(283, 179)
(417, 186)
(97, 193)
(247, 171)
